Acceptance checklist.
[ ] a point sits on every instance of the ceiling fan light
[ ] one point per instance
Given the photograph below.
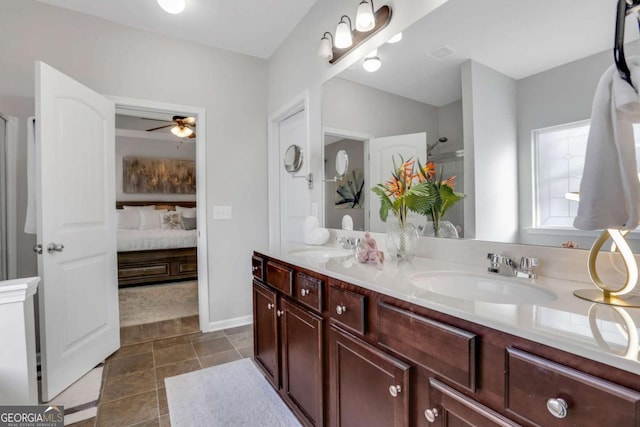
(181, 131)
(343, 38)
(365, 19)
(325, 49)
(172, 6)
(372, 64)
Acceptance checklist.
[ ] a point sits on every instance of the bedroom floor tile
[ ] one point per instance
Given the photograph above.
(133, 391)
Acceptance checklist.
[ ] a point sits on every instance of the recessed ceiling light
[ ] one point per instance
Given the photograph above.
(395, 39)
(441, 52)
(172, 6)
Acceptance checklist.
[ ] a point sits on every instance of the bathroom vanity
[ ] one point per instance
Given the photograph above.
(346, 344)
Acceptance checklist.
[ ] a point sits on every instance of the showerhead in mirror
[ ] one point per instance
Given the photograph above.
(441, 140)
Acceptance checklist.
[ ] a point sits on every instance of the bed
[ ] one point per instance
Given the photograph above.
(154, 255)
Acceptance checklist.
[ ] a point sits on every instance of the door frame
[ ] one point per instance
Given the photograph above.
(358, 136)
(296, 105)
(11, 144)
(201, 189)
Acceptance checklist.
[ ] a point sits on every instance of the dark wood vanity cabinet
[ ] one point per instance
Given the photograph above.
(288, 338)
(343, 355)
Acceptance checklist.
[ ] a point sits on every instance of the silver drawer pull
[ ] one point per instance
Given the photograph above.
(557, 407)
(431, 414)
(304, 292)
(279, 313)
(394, 390)
(341, 309)
(255, 268)
(270, 306)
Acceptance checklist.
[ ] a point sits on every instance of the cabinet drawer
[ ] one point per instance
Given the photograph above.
(532, 381)
(187, 267)
(309, 291)
(257, 267)
(280, 277)
(146, 271)
(348, 309)
(444, 349)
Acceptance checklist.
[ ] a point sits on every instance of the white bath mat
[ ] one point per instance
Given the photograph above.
(80, 399)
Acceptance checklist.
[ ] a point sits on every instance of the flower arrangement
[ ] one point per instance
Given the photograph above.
(402, 193)
(444, 189)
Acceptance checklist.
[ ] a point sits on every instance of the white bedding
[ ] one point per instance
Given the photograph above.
(143, 240)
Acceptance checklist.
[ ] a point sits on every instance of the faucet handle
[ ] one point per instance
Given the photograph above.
(495, 261)
(528, 263)
(493, 257)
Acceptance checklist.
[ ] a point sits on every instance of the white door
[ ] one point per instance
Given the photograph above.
(75, 175)
(294, 190)
(382, 151)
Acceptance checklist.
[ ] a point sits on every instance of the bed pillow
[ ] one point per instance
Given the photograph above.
(145, 207)
(127, 219)
(151, 219)
(189, 223)
(186, 212)
(171, 221)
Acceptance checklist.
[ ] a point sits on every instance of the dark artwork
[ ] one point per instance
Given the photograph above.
(161, 176)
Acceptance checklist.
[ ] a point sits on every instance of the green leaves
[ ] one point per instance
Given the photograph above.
(385, 201)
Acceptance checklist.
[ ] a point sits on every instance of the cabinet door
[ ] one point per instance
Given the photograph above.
(265, 333)
(454, 409)
(302, 361)
(368, 387)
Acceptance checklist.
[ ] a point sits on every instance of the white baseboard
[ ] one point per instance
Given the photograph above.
(229, 323)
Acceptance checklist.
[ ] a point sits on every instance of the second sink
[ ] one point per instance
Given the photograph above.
(480, 287)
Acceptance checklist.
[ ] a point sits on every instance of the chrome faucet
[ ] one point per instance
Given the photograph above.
(524, 269)
(348, 242)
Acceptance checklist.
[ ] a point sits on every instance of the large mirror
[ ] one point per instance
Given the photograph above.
(495, 92)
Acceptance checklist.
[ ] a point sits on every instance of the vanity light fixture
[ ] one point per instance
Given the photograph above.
(372, 64)
(343, 39)
(365, 19)
(172, 6)
(325, 50)
(346, 38)
(395, 39)
(182, 131)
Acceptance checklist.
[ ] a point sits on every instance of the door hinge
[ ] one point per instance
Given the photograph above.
(37, 248)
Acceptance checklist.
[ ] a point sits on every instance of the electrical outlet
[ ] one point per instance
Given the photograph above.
(222, 212)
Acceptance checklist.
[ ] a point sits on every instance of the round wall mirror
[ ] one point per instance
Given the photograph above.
(342, 163)
(293, 159)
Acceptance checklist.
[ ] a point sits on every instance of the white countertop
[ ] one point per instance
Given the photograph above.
(562, 323)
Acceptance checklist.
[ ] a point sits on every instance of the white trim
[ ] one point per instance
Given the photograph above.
(358, 136)
(12, 214)
(297, 104)
(18, 290)
(130, 133)
(201, 191)
(230, 323)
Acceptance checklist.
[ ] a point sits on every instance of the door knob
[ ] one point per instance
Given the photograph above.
(37, 248)
(55, 247)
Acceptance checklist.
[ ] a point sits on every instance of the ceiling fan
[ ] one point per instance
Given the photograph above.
(181, 126)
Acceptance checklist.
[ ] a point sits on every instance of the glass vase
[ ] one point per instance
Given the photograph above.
(402, 240)
(444, 229)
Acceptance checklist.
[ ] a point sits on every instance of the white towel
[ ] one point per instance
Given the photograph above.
(610, 189)
(30, 224)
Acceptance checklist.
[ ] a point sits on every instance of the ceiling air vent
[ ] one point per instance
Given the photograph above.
(441, 52)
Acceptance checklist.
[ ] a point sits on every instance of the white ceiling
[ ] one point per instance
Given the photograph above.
(516, 37)
(252, 27)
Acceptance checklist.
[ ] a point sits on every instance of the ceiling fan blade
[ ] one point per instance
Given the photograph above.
(189, 120)
(155, 120)
(193, 135)
(160, 127)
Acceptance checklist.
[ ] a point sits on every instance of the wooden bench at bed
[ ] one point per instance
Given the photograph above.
(160, 265)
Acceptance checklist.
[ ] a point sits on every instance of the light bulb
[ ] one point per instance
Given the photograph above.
(181, 131)
(325, 50)
(372, 64)
(172, 6)
(395, 39)
(365, 20)
(343, 37)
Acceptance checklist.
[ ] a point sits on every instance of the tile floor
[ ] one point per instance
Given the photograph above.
(133, 392)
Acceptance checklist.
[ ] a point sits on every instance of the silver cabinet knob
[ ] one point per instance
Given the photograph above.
(55, 247)
(557, 407)
(254, 268)
(431, 414)
(270, 306)
(394, 390)
(304, 292)
(279, 313)
(341, 309)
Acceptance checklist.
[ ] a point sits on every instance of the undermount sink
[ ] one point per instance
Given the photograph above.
(480, 287)
(322, 253)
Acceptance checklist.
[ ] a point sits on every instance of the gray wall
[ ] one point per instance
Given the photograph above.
(118, 60)
(334, 214)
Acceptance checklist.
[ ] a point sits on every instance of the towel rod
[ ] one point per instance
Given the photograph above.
(625, 7)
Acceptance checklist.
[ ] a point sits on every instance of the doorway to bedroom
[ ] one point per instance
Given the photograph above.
(158, 225)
